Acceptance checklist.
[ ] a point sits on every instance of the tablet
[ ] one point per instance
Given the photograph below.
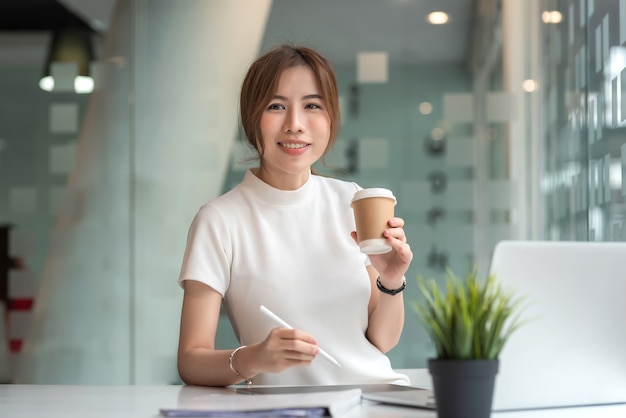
(365, 388)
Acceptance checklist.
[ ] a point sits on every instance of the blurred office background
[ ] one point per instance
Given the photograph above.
(501, 120)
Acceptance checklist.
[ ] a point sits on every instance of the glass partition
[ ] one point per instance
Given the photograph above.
(99, 189)
(65, 182)
(584, 147)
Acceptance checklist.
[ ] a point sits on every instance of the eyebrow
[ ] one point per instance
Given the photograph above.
(307, 97)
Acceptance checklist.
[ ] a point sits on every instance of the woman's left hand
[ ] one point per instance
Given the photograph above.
(392, 265)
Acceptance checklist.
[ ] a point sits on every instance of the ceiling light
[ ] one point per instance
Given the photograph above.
(438, 18)
(83, 84)
(437, 134)
(553, 16)
(46, 83)
(70, 45)
(425, 108)
(530, 85)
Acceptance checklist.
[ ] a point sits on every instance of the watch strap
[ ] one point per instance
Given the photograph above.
(391, 292)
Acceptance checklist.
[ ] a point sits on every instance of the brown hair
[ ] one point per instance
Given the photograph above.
(261, 83)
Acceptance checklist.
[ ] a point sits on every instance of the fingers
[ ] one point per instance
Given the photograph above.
(396, 262)
(396, 222)
(290, 347)
(298, 343)
(397, 239)
(396, 231)
(401, 248)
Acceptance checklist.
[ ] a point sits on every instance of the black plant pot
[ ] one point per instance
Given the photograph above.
(463, 388)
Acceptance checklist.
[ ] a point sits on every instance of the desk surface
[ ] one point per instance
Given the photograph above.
(57, 401)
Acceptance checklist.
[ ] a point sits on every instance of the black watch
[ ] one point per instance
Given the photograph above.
(391, 292)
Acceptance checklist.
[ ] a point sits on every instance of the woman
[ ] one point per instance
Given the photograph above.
(284, 238)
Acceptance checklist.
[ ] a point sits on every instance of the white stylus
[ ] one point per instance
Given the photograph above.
(282, 323)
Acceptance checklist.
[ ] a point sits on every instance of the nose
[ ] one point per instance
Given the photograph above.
(293, 121)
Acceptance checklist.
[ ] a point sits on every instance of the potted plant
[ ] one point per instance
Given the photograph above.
(469, 323)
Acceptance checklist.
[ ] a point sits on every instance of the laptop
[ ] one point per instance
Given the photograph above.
(572, 352)
(413, 397)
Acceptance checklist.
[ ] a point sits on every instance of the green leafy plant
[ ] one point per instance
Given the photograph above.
(472, 319)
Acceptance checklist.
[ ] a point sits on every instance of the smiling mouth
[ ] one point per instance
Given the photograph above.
(291, 145)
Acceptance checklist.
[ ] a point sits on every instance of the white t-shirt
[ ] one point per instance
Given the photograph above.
(292, 252)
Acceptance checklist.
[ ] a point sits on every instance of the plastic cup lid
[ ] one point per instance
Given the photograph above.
(374, 192)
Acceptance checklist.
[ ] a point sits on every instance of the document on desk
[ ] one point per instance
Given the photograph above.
(314, 404)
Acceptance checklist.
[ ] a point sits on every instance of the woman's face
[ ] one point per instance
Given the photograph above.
(295, 128)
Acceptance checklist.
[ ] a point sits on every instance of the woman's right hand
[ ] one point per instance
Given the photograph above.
(284, 348)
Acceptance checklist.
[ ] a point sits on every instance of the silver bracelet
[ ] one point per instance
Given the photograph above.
(230, 364)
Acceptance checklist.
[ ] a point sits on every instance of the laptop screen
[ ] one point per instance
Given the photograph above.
(573, 349)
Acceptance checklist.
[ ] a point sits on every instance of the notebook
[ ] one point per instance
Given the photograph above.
(574, 352)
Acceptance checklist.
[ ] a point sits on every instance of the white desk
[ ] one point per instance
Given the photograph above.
(57, 401)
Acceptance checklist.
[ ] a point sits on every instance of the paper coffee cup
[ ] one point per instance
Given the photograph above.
(372, 210)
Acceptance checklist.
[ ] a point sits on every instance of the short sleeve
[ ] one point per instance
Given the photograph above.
(208, 254)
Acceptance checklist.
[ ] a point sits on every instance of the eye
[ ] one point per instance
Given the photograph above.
(275, 106)
(313, 106)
